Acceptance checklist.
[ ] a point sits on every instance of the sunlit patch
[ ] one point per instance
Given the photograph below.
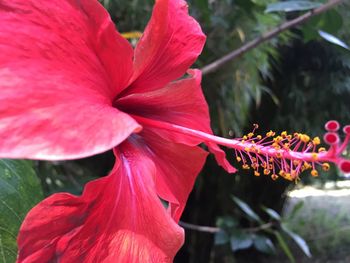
(309, 191)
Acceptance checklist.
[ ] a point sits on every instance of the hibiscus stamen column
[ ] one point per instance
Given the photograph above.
(285, 155)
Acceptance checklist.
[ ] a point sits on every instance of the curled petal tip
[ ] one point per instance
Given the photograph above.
(332, 126)
(331, 138)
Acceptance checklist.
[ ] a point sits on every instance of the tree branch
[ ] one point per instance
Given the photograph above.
(213, 230)
(267, 36)
(208, 229)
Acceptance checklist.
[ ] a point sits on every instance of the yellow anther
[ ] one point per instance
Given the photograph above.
(245, 137)
(286, 146)
(274, 177)
(321, 149)
(279, 155)
(238, 159)
(264, 165)
(289, 137)
(314, 156)
(296, 162)
(316, 141)
(259, 137)
(270, 134)
(306, 166)
(325, 166)
(267, 171)
(271, 160)
(284, 134)
(277, 139)
(314, 173)
(256, 173)
(245, 166)
(304, 138)
(250, 135)
(293, 173)
(276, 146)
(247, 149)
(288, 176)
(255, 166)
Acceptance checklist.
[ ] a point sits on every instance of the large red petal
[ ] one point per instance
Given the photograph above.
(177, 166)
(118, 218)
(56, 92)
(171, 43)
(181, 103)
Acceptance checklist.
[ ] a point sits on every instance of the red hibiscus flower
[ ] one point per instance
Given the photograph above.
(69, 87)
(72, 87)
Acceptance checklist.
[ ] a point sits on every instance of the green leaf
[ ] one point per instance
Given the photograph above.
(290, 6)
(246, 209)
(221, 238)
(241, 241)
(263, 244)
(330, 22)
(226, 222)
(332, 39)
(203, 6)
(272, 213)
(298, 240)
(284, 246)
(19, 191)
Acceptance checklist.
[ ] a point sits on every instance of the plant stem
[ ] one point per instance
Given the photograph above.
(267, 36)
(207, 229)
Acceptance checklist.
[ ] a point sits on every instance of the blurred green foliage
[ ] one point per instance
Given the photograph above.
(257, 233)
(19, 191)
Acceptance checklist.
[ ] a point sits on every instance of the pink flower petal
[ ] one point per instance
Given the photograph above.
(181, 103)
(118, 218)
(170, 44)
(177, 166)
(56, 93)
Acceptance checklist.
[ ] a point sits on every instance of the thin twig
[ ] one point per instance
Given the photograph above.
(259, 228)
(213, 230)
(267, 36)
(208, 229)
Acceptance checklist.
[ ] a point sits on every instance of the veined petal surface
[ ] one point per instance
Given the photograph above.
(177, 166)
(60, 62)
(180, 102)
(119, 218)
(170, 44)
